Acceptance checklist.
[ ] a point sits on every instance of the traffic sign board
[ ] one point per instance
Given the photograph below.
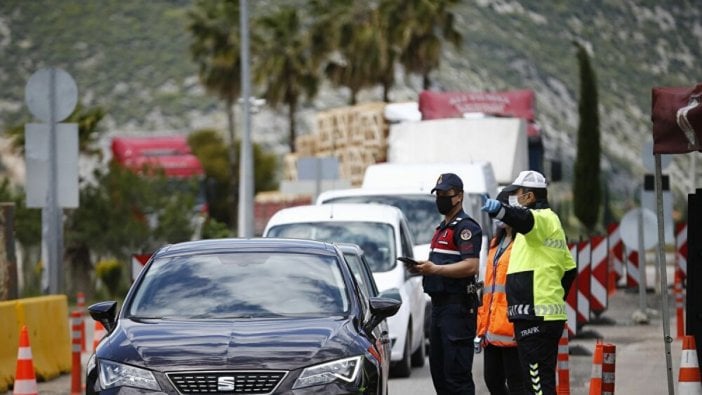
(51, 94)
(629, 228)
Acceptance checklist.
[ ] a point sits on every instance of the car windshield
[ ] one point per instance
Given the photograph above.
(241, 285)
(420, 211)
(376, 239)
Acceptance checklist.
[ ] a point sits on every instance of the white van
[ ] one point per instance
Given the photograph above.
(408, 186)
(382, 232)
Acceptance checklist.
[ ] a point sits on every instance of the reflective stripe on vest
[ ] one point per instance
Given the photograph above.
(498, 289)
(549, 309)
(442, 251)
(519, 309)
(504, 340)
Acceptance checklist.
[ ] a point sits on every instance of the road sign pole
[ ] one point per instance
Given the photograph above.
(642, 266)
(51, 96)
(52, 212)
(663, 275)
(246, 176)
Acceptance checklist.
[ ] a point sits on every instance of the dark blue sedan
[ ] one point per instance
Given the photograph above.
(243, 316)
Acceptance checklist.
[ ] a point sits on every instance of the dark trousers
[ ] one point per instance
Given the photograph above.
(503, 371)
(451, 355)
(537, 343)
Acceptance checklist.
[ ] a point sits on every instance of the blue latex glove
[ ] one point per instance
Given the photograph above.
(491, 206)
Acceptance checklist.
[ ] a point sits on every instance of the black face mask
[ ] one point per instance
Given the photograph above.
(444, 205)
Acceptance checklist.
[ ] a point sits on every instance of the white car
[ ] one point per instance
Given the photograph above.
(382, 232)
(408, 187)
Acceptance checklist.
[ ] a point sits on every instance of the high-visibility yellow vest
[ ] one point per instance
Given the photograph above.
(539, 260)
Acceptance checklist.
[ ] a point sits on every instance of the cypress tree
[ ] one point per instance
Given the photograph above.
(586, 183)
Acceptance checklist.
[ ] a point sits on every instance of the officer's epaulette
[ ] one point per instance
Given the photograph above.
(455, 221)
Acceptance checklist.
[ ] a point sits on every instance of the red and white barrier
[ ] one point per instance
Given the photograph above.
(632, 269)
(609, 357)
(76, 367)
(616, 256)
(600, 273)
(572, 297)
(583, 310)
(562, 368)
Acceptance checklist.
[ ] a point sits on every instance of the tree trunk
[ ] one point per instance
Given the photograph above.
(292, 110)
(426, 81)
(386, 92)
(81, 266)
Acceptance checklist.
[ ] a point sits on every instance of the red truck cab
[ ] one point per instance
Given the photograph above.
(172, 154)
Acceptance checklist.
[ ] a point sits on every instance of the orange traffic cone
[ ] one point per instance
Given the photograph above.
(596, 375)
(689, 382)
(562, 369)
(25, 380)
(80, 301)
(98, 334)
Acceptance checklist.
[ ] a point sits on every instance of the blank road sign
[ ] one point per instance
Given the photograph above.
(36, 151)
(51, 90)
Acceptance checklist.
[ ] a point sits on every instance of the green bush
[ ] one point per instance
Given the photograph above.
(109, 271)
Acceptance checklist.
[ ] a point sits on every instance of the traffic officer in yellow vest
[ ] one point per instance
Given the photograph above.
(449, 279)
(541, 271)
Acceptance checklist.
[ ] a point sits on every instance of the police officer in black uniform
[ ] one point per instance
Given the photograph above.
(449, 278)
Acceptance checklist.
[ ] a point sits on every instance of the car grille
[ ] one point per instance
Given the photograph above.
(234, 382)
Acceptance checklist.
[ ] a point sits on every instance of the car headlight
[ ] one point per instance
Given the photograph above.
(343, 369)
(113, 374)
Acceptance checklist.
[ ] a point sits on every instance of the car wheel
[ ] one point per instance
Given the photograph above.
(403, 367)
(419, 356)
(427, 327)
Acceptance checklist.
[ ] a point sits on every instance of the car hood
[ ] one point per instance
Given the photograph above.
(232, 344)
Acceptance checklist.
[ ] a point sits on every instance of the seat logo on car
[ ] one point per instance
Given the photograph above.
(225, 383)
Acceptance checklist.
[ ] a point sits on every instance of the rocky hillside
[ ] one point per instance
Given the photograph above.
(132, 58)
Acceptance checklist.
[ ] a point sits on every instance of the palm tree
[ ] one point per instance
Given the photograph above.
(354, 41)
(215, 47)
(423, 19)
(393, 28)
(286, 64)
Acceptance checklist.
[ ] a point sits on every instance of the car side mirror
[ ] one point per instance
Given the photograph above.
(381, 308)
(104, 313)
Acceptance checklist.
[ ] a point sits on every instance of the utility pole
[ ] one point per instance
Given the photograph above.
(246, 175)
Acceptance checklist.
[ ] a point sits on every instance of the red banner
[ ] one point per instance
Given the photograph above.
(677, 120)
(518, 103)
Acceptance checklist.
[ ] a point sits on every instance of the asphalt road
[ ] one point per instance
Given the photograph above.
(640, 354)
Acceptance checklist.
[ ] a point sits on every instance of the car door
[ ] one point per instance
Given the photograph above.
(414, 286)
(364, 277)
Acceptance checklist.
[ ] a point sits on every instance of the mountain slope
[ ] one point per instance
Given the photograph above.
(132, 58)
